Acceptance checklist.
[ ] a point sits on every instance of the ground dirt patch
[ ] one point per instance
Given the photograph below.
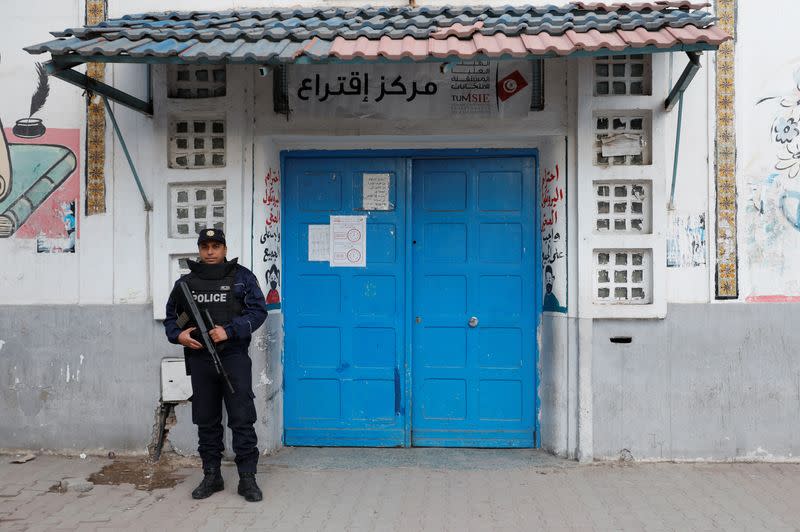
(142, 472)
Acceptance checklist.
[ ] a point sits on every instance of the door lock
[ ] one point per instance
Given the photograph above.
(473, 322)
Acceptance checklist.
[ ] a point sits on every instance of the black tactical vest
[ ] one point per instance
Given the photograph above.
(212, 288)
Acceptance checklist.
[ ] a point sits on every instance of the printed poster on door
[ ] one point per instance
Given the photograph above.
(468, 89)
(348, 245)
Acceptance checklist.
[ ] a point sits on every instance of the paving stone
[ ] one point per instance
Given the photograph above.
(10, 490)
(80, 485)
(309, 489)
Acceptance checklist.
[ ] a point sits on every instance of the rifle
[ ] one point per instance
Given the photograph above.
(203, 321)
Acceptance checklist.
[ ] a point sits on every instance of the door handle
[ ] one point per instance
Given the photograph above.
(473, 322)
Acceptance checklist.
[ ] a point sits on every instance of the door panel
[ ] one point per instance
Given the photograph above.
(474, 255)
(345, 336)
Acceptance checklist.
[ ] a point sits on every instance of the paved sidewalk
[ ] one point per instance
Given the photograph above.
(415, 489)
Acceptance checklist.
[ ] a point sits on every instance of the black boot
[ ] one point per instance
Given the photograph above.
(212, 482)
(248, 487)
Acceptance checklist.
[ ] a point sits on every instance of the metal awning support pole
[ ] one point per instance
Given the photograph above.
(63, 71)
(147, 205)
(671, 204)
(683, 82)
(676, 95)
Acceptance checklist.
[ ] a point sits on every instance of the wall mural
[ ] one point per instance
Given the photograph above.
(39, 185)
(271, 238)
(553, 212)
(773, 209)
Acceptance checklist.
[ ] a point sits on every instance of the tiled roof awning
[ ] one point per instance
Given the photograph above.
(330, 34)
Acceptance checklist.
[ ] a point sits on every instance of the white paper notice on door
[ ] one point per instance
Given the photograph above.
(348, 236)
(319, 243)
(376, 192)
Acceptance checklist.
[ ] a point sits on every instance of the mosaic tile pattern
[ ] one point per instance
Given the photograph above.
(727, 260)
(95, 125)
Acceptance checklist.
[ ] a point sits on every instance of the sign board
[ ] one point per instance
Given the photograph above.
(411, 90)
(376, 192)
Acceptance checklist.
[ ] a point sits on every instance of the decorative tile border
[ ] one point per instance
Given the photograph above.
(96, 12)
(727, 264)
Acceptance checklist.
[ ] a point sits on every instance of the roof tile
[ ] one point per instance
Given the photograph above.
(213, 49)
(261, 51)
(499, 45)
(452, 47)
(457, 30)
(641, 37)
(162, 49)
(691, 35)
(594, 40)
(273, 34)
(544, 43)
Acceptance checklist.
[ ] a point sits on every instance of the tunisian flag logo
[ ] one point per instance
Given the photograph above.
(510, 85)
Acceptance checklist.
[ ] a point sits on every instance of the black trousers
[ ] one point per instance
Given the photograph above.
(208, 392)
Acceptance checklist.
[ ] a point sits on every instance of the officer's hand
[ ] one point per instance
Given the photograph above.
(218, 334)
(187, 341)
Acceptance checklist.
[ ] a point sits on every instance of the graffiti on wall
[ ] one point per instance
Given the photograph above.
(773, 209)
(271, 237)
(39, 185)
(554, 243)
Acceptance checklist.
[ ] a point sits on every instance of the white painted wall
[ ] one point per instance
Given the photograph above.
(767, 66)
(695, 178)
(114, 249)
(233, 108)
(588, 173)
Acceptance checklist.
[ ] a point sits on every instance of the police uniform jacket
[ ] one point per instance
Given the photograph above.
(245, 290)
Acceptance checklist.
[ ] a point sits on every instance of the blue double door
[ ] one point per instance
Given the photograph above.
(433, 343)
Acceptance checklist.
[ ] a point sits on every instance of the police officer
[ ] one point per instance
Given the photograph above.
(231, 294)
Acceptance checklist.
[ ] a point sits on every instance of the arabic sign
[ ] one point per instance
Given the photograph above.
(376, 192)
(553, 212)
(408, 90)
